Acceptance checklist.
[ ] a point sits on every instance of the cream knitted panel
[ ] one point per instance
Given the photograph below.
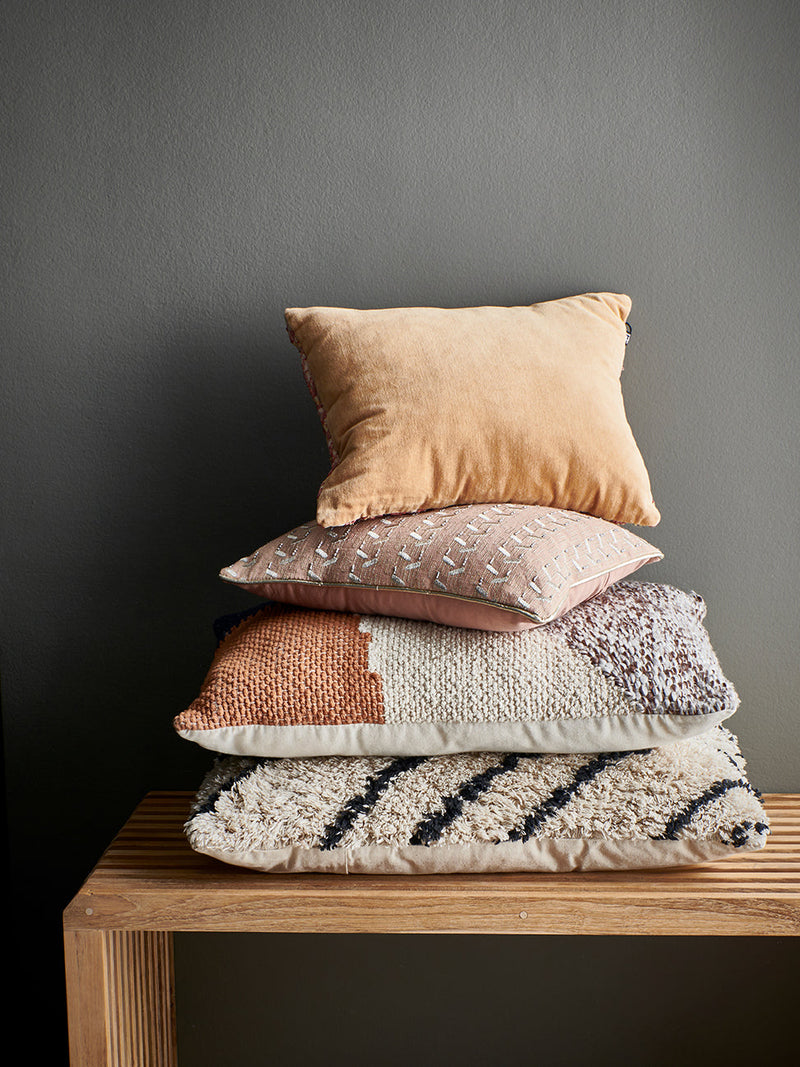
(433, 673)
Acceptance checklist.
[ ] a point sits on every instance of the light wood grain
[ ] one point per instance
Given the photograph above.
(120, 998)
(84, 957)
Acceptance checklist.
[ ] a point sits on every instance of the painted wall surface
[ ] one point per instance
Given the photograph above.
(175, 174)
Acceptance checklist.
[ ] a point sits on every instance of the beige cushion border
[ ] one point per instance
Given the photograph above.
(552, 855)
(608, 733)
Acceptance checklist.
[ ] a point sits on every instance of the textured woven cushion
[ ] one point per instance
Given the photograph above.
(489, 567)
(630, 668)
(682, 804)
(428, 407)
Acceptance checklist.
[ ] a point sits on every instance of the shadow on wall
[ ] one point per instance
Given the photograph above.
(482, 1000)
(205, 459)
(182, 459)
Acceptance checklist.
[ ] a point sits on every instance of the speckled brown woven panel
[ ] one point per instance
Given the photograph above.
(323, 675)
(650, 640)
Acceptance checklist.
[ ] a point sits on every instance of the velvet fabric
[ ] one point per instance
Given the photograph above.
(428, 407)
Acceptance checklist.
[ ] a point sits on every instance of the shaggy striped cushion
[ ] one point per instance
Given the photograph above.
(631, 668)
(479, 812)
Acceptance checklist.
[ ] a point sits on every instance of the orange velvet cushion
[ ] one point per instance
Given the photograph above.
(429, 407)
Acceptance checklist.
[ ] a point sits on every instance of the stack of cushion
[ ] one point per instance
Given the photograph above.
(451, 669)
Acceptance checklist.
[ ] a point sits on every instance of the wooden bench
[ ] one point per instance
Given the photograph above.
(149, 883)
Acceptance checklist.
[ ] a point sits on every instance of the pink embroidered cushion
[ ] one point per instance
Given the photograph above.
(482, 566)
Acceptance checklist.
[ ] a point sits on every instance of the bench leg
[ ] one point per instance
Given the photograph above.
(120, 998)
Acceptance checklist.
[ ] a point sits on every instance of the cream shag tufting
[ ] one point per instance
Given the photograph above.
(478, 812)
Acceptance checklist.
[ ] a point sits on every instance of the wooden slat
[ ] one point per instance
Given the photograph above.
(150, 879)
(120, 998)
(84, 957)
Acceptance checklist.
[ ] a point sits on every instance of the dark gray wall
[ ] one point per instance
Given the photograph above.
(177, 172)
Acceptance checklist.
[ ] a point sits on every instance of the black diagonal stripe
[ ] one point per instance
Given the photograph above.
(432, 826)
(683, 818)
(730, 759)
(359, 805)
(740, 768)
(560, 797)
(227, 783)
(740, 834)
